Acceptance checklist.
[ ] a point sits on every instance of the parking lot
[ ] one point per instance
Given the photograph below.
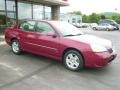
(32, 72)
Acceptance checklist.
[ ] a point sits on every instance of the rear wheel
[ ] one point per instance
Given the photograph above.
(16, 47)
(107, 29)
(94, 28)
(73, 60)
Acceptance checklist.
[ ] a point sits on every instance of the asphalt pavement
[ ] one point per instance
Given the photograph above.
(32, 72)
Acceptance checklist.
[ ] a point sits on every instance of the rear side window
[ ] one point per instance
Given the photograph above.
(28, 26)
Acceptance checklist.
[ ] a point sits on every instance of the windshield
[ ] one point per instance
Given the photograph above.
(113, 22)
(67, 29)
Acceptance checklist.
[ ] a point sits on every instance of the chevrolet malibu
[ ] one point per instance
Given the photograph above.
(60, 41)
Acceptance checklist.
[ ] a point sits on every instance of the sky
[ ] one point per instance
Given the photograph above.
(90, 6)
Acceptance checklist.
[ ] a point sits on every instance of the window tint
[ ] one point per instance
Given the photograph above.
(107, 21)
(73, 20)
(44, 28)
(28, 26)
(102, 24)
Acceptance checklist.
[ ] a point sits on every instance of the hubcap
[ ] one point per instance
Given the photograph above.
(15, 47)
(72, 61)
(107, 29)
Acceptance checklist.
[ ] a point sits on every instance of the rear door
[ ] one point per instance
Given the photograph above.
(28, 36)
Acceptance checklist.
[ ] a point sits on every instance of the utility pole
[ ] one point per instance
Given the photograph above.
(16, 10)
(6, 11)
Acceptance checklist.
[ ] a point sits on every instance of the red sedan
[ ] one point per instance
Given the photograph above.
(61, 41)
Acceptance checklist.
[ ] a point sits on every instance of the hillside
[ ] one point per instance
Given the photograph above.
(109, 14)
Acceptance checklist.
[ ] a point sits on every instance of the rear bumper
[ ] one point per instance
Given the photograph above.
(99, 60)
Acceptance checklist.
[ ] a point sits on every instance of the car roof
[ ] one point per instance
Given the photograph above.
(40, 20)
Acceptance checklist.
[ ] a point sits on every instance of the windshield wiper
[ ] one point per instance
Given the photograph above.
(72, 35)
(69, 35)
(78, 34)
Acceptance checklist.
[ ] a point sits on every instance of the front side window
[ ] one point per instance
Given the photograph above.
(44, 28)
(28, 26)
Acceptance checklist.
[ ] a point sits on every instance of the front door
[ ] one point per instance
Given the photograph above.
(46, 42)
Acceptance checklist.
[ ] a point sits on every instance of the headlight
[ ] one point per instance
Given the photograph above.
(98, 48)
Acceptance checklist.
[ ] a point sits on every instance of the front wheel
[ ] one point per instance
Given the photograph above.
(16, 47)
(73, 60)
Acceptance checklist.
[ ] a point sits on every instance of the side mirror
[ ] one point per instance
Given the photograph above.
(52, 34)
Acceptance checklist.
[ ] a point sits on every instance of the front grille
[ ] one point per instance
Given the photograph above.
(110, 50)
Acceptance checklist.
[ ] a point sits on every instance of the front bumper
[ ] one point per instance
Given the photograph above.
(99, 60)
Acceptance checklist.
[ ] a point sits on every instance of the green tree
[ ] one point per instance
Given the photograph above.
(93, 18)
(116, 18)
(76, 12)
(103, 17)
(85, 19)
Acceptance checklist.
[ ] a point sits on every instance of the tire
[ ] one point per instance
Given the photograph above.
(117, 28)
(16, 47)
(107, 29)
(73, 60)
(94, 28)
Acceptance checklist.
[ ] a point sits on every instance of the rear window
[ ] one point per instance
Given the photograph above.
(107, 21)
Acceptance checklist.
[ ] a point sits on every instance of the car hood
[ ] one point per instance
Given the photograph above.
(92, 40)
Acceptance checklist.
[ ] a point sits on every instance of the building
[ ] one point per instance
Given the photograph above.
(71, 18)
(34, 9)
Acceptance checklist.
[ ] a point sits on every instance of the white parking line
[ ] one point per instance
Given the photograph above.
(16, 69)
(1, 36)
(2, 43)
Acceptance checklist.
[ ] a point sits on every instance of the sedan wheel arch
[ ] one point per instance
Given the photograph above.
(80, 54)
(71, 49)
